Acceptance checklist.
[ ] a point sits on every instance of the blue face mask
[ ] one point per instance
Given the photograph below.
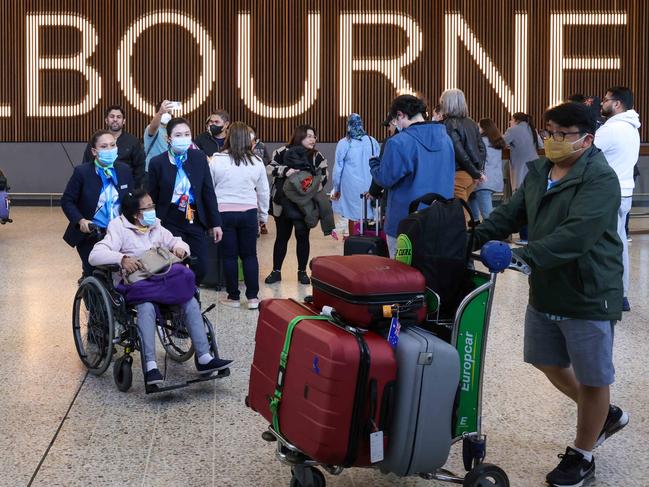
(107, 157)
(181, 144)
(148, 218)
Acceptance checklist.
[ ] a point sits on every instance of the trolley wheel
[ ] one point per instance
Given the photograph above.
(93, 326)
(318, 479)
(123, 372)
(486, 475)
(175, 338)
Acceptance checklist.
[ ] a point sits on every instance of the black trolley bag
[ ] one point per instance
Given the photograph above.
(365, 243)
(434, 240)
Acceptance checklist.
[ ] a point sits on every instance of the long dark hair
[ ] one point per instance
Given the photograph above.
(492, 133)
(300, 134)
(524, 117)
(131, 204)
(239, 144)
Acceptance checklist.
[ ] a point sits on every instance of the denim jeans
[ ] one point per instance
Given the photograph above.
(481, 204)
(240, 240)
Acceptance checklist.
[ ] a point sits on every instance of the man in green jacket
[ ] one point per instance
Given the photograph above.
(570, 200)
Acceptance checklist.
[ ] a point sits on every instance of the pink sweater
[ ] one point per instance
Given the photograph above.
(124, 239)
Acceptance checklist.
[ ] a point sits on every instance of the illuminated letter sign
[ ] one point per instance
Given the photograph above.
(390, 68)
(78, 62)
(246, 83)
(558, 63)
(457, 28)
(125, 52)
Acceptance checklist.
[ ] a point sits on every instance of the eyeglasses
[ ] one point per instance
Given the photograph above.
(605, 99)
(557, 136)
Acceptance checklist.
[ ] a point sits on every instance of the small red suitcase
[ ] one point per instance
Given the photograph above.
(338, 383)
(359, 286)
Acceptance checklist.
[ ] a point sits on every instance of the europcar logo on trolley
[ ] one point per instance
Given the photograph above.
(468, 363)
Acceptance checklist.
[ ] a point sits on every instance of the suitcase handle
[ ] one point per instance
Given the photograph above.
(387, 403)
(377, 214)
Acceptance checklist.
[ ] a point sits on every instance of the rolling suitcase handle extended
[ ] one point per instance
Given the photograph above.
(377, 214)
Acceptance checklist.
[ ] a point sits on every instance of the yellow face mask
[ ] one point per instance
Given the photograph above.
(558, 151)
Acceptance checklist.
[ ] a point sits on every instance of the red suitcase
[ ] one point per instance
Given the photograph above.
(359, 286)
(337, 383)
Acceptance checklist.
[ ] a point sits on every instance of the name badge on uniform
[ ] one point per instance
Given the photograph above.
(123, 186)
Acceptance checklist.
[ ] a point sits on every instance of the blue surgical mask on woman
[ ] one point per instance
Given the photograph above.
(148, 218)
(181, 144)
(107, 157)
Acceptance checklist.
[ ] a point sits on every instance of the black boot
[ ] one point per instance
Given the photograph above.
(273, 277)
(303, 278)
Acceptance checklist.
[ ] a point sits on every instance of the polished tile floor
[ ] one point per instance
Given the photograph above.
(62, 427)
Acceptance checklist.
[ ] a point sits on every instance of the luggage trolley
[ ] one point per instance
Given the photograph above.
(468, 329)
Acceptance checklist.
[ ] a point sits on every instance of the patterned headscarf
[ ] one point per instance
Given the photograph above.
(355, 128)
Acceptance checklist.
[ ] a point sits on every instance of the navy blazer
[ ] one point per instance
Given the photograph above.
(81, 195)
(162, 179)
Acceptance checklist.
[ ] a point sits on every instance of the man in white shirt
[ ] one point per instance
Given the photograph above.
(619, 140)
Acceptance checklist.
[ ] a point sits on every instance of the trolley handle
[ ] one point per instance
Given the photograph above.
(498, 256)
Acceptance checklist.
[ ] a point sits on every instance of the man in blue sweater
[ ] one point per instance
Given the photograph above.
(419, 159)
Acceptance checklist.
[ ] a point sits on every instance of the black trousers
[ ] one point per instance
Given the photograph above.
(284, 228)
(194, 235)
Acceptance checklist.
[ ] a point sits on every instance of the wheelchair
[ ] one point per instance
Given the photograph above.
(102, 322)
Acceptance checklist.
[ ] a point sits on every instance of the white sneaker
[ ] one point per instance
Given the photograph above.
(232, 303)
(253, 304)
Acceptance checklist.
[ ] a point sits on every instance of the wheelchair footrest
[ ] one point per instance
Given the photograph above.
(155, 388)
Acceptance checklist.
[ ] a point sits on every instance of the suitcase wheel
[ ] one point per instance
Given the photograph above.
(307, 477)
(486, 474)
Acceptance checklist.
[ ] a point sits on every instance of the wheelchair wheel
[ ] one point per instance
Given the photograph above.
(175, 338)
(211, 336)
(92, 325)
(123, 372)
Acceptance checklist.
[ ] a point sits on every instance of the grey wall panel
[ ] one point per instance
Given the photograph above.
(39, 167)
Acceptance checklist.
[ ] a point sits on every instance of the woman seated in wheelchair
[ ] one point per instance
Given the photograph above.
(129, 237)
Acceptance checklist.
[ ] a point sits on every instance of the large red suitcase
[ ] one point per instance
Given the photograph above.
(358, 287)
(338, 383)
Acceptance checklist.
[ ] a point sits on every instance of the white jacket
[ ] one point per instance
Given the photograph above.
(246, 184)
(619, 140)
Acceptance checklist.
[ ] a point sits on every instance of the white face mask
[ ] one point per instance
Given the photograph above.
(164, 119)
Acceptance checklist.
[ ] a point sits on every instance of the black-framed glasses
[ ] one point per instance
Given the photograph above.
(558, 136)
(605, 99)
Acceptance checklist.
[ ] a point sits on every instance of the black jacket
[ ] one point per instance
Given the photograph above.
(209, 144)
(129, 151)
(470, 151)
(79, 200)
(162, 178)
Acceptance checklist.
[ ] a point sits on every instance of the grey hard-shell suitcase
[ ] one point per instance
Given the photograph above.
(428, 374)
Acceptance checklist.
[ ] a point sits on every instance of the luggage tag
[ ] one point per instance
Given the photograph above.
(376, 445)
(395, 329)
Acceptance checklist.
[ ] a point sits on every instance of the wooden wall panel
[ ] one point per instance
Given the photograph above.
(167, 62)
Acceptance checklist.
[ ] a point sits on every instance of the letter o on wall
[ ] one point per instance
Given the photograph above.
(125, 53)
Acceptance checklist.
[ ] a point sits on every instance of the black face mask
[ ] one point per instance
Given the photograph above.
(215, 130)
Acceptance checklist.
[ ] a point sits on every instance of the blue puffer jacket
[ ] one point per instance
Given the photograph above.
(416, 161)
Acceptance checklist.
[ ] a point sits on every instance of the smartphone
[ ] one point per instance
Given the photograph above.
(175, 105)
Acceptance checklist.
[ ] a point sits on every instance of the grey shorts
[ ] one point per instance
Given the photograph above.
(587, 345)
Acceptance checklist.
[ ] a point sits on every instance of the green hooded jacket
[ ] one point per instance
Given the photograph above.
(574, 250)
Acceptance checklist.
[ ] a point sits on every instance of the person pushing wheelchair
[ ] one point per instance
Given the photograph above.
(129, 237)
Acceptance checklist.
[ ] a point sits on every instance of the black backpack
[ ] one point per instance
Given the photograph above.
(434, 240)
